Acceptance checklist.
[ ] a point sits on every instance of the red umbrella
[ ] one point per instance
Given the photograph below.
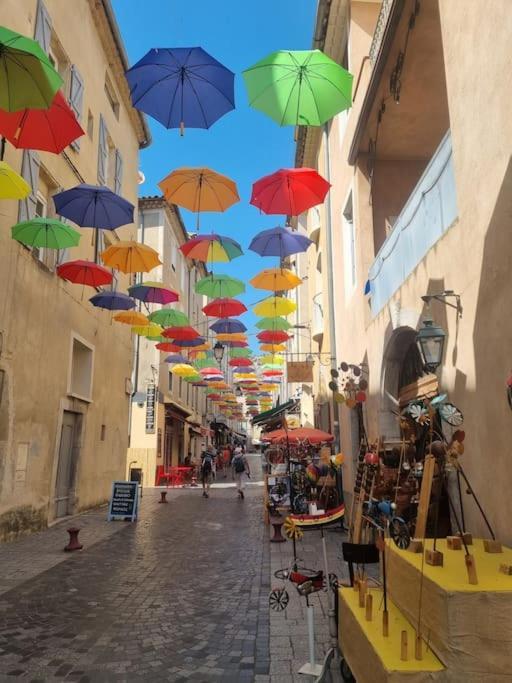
(184, 333)
(84, 273)
(214, 397)
(168, 347)
(314, 436)
(273, 336)
(272, 373)
(224, 308)
(240, 362)
(211, 371)
(236, 344)
(46, 129)
(289, 191)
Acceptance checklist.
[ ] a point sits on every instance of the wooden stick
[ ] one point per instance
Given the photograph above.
(403, 647)
(369, 606)
(418, 647)
(385, 623)
(363, 585)
(426, 489)
(471, 569)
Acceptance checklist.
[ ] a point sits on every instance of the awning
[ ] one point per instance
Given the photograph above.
(175, 410)
(273, 413)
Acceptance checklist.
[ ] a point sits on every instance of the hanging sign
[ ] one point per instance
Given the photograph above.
(124, 500)
(299, 371)
(150, 408)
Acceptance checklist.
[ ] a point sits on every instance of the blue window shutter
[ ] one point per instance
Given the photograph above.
(118, 180)
(102, 152)
(76, 97)
(43, 30)
(29, 171)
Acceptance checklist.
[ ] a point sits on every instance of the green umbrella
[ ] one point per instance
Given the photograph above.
(203, 363)
(168, 317)
(219, 286)
(27, 78)
(300, 88)
(273, 324)
(240, 353)
(46, 233)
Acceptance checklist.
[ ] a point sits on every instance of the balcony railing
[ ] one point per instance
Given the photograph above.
(380, 27)
(429, 212)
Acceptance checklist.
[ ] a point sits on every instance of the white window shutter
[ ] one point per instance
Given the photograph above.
(102, 152)
(76, 98)
(30, 172)
(43, 30)
(118, 180)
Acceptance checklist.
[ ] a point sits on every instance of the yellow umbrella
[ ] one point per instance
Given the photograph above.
(131, 318)
(273, 348)
(276, 280)
(12, 185)
(275, 306)
(130, 257)
(272, 360)
(199, 189)
(148, 330)
(245, 375)
(183, 370)
(201, 347)
(232, 336)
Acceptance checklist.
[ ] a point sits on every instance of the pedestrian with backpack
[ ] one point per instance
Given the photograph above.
(240, 468)
(206, 471)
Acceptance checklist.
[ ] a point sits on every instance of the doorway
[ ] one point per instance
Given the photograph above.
(66, 468)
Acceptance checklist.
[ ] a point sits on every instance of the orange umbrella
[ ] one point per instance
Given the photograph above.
(314, 436)
(130, 257)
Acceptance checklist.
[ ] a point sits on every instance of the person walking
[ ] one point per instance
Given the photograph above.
(207, 460)
(240, 468)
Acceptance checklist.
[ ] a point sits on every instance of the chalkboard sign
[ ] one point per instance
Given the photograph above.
(124, 500)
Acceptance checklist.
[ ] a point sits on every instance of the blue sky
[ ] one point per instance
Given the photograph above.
(244, 144)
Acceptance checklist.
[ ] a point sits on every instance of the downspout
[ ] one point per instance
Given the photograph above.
(136, 363)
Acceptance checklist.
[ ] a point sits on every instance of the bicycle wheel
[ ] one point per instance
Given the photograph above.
(278, 599)
(399, 532)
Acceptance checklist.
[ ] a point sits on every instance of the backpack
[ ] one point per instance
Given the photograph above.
(238, 464)
(207, 464)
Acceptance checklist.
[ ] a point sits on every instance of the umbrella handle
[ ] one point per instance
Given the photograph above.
(2, 149)
(182, 129)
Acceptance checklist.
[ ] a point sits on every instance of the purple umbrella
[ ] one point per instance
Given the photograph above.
(114, 301)
(176, 358)
(184, 343)
(244, 368)
(93, 206)
(280, 242)
(228, 326)
(182, 86)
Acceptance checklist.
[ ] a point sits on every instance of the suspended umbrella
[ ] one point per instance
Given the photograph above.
(113, 301)
(211, 248)
(240, 353)
(237, 344)
(183, 370)
(272, 373)
(27, 77)
(169, 317)
(275, 360)
(157, 338)
(218, 286)
(240, 362)
(149, 330)
(49, 130)
(205, 346)
(168, 347)
(224, 308)
(231, 336)
(299, 88)
(314, 436)
(46, 233)
(273, 348)
(280, 242)
(276, 323)
(180, 333)
(211, 371)
(289, 191)
(228, 326)
(131, 318)
(199, 342)
(199, 189)
(201, 362)
(84, 273)
(269, 336)
(181, 87)
(176, 358)
(94, 206)
(130, 257)
(193, 378)
(275, 306)
(199, 383)
(154, 293)
(12, 185)
(214, 396)
(276, 280)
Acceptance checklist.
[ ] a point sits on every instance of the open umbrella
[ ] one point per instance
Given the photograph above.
(148, 330)
(240, 353)
(273, 348)
(217, 286)
(131, 318)
(168, 347)
(199, 189)
(314, 436)
(176, 358)
(130, 257)
(275, 306)
(153, 292)
(224, 308)
(93, 206)
(49, 130)
(183, 370)
(240, 362)
(180, 333)
(272, 359)
(113, 301)
(299, 88)
(211, 248)
(12, 185)
(237, 344)
(231, 336)
(84, 273)
(27, 77)
(169, 317)
(272, 373)
(277, 323)
(289, 191)
(280, 242)
(272, 337)
(228, 326)
(183, 86)
(46, 233)
(275, 280)
(198, 342)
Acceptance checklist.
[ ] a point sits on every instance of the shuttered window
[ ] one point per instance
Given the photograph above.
(29, 171)
(43, 30)
(76, 98)
(102, 152)
(118, 173)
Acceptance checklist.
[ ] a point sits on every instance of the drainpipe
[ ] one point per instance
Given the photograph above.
(137, 354)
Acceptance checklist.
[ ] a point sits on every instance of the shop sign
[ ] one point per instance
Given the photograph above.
(150, 408)
(292, 422)
(124, 500)
(299, 371)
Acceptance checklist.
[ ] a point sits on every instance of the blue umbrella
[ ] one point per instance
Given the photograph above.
(176, 358)
(182, 86)
(228, 326)
(198, 341)
(93, 206)
(114, 301)
(280, 242)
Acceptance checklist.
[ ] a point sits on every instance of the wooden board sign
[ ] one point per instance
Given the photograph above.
(299, 371)
(124, 500)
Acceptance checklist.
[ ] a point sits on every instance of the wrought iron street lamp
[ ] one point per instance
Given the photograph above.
(430, 342)
(218, 352)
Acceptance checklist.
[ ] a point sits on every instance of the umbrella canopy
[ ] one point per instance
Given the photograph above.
(27, 77)
(277, 323)
(214, 396)
(275, 306)
(211, 371)
(211, 248)
(198, 343)
(281, 242)
(168, 347)
(274, 360)
(199, 189)
(239, 370)
(228, 326)
(272, 373)
(46, 233)
(240, 362)
(94, 206)
(276, 280)
(84, 273)
(237, 344)
(314, 436)
(289, 191)
(113, 301)
(182, 86)
(231, 336)
(273, 348)
(49, 130)
(272, 337)
(224, 308)
(12, 185)
(299, 88)
(218, 286)
(183, 370)
(180, 333)
(130, 257)
(154, 293)
(168, 317)
(176, 358)
(131, 318)
(240, 353)
(149, 330)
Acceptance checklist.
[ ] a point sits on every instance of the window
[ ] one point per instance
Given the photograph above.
(90, 125)
(151, 219)
(349, 246)
(60, 61)
(111, 96)
(81, 369)
(111, 163)
(44, 208)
